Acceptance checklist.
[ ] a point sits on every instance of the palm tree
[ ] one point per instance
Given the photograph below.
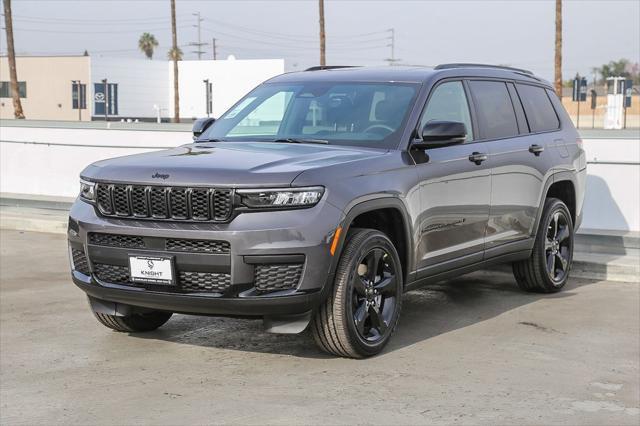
(13, 73)
(178, 54)
(558, 58)
(147, 43)
(174, 53)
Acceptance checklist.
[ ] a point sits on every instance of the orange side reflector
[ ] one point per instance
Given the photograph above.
(336, 238)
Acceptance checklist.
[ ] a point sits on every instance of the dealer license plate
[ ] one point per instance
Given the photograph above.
(151, 270)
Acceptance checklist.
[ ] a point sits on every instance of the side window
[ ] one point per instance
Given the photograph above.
(517, 106)
(496, 117)
(5, 89)
(537, 105)
(448, 102)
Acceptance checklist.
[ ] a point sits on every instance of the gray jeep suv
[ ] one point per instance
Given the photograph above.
(323, 195)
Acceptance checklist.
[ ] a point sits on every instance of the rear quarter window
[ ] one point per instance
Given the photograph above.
(538, 108)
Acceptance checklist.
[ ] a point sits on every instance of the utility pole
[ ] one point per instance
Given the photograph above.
(174, 56)
(215, 52)
(199, 44)
(323, 61)
(11, 54)
(392, 44)
(558, 57)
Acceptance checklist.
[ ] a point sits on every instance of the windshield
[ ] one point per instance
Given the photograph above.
(361, 114)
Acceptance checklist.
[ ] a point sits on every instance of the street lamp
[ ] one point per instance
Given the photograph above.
(207, 89)
(106, 99)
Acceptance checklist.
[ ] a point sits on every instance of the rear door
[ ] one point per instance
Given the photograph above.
(519, 163)
(455, 191)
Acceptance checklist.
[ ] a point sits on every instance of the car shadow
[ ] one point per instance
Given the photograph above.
(426, 313)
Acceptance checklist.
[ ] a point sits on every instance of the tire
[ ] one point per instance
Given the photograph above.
(134, 323)
(368, 286)
(547, 270)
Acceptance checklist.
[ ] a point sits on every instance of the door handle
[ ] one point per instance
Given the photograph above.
(536, 149)
(477, 157)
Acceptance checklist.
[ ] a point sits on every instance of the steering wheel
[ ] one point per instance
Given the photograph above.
(379, 126)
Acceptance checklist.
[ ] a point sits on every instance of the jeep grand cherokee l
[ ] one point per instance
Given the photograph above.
(323, 195)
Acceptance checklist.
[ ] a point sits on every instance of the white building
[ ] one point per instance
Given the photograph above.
(137, 88)
(230, 80)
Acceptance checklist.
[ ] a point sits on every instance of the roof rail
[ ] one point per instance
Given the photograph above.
(463, 65)
(329, 67)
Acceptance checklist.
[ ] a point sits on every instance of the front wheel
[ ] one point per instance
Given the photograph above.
(361, 313)
(547, 270)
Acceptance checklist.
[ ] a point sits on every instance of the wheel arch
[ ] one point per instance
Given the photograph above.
(561, 185)
(382, 214)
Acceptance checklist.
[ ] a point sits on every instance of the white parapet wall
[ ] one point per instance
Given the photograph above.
(612, 200)
(47, 162)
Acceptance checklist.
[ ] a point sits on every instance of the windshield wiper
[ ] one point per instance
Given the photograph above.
(210, 140)
(294, 140)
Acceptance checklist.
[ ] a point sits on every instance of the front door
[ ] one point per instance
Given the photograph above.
(455, 189)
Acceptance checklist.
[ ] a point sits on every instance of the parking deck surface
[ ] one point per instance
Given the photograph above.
(474, 350)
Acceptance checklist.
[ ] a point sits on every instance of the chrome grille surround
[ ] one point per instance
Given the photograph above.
(164, 202)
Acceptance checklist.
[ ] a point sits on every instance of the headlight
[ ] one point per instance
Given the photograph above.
(280, 198)
(87, 190)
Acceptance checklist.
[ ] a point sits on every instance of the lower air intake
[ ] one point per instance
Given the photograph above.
(269, 278)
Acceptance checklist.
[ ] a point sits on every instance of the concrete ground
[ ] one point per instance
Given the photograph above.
(471, 351)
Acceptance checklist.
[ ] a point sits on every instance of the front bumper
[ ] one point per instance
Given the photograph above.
(254, 239)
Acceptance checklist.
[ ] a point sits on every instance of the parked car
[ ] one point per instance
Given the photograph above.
(322, 196)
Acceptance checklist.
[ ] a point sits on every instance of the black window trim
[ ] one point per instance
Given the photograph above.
(524, 127)
(505, 81)
(415, 132)
(474, 122)
(545, 89)
(515, 83)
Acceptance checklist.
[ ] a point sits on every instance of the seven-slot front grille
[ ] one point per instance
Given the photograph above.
(160, 202)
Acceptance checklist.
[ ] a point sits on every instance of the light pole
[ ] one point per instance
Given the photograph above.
(207, 91)
(106, 99)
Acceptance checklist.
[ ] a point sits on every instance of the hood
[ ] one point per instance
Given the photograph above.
(225, 164)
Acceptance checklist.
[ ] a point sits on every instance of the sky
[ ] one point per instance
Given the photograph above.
(427, 32)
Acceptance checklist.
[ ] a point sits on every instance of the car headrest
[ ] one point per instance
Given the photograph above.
(385, 111)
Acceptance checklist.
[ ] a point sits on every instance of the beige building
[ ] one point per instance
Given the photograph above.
(136, 89)
(47, 92)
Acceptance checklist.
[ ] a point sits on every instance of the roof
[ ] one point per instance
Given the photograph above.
(405, 74)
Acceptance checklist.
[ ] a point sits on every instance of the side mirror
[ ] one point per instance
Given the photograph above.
(200, 125)
(441, 133)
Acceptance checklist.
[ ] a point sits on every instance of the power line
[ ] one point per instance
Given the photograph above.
(392, 44)
(199, 44)
(35, 30)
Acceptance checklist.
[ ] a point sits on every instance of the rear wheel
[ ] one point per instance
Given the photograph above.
(147, 321)
(361, 313)
(547, 270)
